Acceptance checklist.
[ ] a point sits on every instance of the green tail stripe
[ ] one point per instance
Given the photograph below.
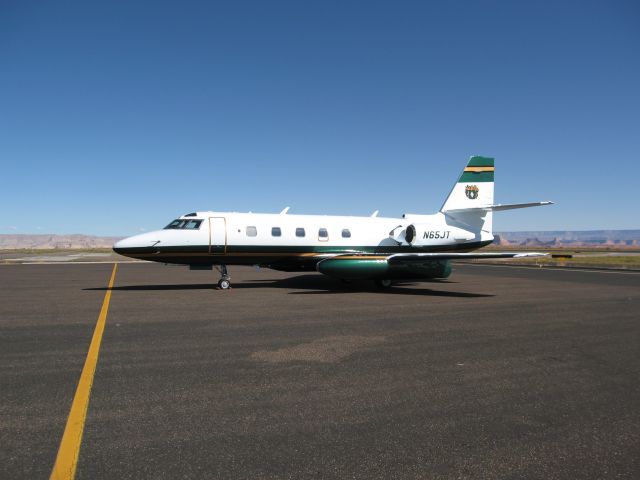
(470, 177)
(480, 162)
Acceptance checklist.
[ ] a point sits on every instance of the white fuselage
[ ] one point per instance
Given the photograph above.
(230, 231)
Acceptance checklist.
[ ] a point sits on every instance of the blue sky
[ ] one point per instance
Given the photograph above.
(116, 117)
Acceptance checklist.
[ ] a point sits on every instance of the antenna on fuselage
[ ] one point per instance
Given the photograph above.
(375, 214)
(285, 210)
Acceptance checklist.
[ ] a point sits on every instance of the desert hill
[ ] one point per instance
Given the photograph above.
(48, 241)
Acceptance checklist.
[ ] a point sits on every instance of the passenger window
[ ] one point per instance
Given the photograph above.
(323, 235)
(299, 232)
(346, 233)
(276, 232)
(252, 231)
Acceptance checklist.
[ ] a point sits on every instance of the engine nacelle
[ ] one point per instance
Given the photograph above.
(424, 234)
(361, 268)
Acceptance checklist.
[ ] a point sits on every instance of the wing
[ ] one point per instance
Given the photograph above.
(408, 258)
(405, 258)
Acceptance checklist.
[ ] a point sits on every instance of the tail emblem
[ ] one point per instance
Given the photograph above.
(471, 191)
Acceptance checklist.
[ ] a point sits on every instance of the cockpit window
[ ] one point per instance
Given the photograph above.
(180, 224)
(193, 224)
(175, 224)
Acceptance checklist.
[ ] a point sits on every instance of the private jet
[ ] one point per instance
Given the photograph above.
(412, 247)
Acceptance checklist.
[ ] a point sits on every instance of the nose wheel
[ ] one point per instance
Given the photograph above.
(225, 281)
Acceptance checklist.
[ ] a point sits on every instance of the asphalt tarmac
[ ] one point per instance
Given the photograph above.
(500, 372)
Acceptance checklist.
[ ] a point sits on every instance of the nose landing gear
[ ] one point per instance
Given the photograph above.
(225, 281)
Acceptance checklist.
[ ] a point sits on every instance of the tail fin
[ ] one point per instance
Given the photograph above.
(473, 189)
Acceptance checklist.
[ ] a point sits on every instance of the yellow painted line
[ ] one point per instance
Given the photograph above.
(69, 451)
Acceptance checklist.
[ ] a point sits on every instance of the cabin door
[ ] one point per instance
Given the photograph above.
(217, 235)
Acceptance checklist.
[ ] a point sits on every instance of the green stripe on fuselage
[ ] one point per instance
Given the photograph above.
(201, 252)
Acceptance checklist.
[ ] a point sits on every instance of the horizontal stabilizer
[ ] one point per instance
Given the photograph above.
(499, 207)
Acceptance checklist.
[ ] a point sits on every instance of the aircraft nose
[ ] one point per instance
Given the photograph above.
(120, 244)
(136, 244)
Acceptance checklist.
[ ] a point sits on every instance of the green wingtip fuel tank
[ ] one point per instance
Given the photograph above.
(367, 268)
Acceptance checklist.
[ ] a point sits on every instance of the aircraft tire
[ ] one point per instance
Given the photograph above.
(224, 284)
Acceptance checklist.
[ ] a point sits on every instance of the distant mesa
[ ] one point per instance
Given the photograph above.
(570, 239)
(49, 241)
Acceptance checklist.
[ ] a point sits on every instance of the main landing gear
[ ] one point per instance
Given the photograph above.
(225, 281)
(383, 283)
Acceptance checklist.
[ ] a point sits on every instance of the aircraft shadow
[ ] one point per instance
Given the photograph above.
(311, 285)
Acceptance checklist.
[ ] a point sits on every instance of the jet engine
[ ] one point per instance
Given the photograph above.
(361, 268)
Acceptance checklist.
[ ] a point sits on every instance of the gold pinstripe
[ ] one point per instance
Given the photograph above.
(479, 169)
